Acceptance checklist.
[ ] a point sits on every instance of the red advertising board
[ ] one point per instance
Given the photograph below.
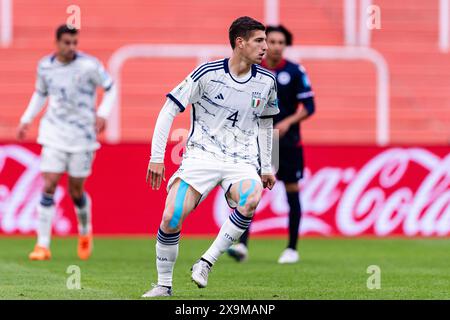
(347, 191)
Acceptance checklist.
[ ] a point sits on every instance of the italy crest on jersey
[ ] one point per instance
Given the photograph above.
(256, 99)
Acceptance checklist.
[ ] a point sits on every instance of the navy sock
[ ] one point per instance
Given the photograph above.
(168, 238)
(295, 213)
(47, 200)
(239, 220)
(242, 222)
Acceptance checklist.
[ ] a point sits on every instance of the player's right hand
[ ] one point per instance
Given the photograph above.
(100, 124)
(282, 127)
(155, 174)
(22, 131)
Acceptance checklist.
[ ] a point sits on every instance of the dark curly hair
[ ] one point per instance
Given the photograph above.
(283, 30)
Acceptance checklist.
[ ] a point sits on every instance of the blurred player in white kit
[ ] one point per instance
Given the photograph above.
(67, 132)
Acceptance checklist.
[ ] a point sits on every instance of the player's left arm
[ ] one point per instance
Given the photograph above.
(305, 109)
(103, 79)
(265, 135)
(306, 104)
(265, 138)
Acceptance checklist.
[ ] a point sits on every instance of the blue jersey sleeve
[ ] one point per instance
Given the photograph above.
(304, 89)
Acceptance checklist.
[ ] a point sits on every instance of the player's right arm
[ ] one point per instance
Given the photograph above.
(35, 105)
(156, 170)
(185, 93)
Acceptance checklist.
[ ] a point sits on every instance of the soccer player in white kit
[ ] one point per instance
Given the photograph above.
(230, 143)
(67, 132)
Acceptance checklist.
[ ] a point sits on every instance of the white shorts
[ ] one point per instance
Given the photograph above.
(77, 165)
(204, 175)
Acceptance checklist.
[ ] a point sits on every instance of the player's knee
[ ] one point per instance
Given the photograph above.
(252, 203)
(76, 195)
(249, 197)
(249, 207)
(170, 223)
(76, 192)
(50, 186)
(168, 227)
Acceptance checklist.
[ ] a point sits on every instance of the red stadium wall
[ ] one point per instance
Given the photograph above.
(345, 90)
(347, 191)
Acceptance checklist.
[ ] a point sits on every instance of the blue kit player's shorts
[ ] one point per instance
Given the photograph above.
(291, 164)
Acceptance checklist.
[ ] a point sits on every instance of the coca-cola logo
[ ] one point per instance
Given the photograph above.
(395, 191)
(20, 192)
(399, 191)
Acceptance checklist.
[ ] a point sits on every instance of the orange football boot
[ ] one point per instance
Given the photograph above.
(85, 244)
(40, 253)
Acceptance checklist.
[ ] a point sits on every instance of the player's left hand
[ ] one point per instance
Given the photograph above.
(268, 180)
(100, 124)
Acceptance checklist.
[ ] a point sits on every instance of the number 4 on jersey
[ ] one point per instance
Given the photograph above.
(233, 118)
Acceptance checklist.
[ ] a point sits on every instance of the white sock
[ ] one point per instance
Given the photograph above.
(166, 255)
(84, 217)
(44, 227)
(230, 232)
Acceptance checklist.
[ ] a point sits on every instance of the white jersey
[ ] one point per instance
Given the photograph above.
(225, 111)
(69, 122)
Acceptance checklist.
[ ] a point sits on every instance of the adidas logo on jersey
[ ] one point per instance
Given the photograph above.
(219, 96)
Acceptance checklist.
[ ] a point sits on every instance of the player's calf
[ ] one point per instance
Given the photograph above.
(82, 204)
(50, 182)
(76, 188)
(247, 194)
(181, 200)
(230, 232)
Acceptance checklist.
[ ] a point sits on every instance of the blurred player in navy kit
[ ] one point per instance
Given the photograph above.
(296, 103)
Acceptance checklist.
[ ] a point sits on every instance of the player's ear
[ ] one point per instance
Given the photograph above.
(239, 42)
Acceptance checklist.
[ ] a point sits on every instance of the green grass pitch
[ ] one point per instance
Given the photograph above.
(123, 268)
